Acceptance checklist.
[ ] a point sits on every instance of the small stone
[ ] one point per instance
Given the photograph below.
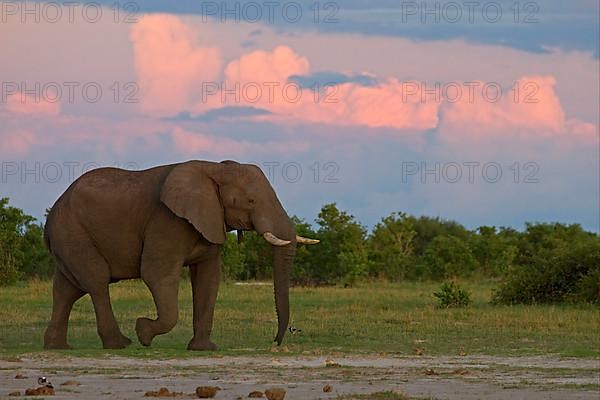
(275, 394)
(419, 351)
(330, 363)
(20, 376)
(16, 393)
(70, 383)
(40, 391)
(327, 389)
(207, 392)
(462, 353)
(460, 371)
(256, 394)
(430, 371)
(163, 392)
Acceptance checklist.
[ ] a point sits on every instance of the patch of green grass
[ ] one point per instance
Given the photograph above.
(378, 317)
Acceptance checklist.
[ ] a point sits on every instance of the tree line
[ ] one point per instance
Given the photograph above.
(545, 262)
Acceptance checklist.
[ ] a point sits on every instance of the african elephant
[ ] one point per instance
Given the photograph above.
(113, 224)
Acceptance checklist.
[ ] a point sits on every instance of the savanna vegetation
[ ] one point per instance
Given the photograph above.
(544, 263)
(412, 283)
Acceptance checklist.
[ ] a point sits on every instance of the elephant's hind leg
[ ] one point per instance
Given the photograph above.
(164, 291)
(64, 295)
(108, 329)
(95, 280)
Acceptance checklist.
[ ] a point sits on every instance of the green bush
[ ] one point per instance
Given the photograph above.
(555, 263)
(232, 258)
(341, 255)
(452, 295)
(428, 228)
(447, 257)
(9, 273)
(587, 289)
(391, 253)
(22, 249)
(494, 251)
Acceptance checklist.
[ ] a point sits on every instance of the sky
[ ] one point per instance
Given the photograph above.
(482, 112)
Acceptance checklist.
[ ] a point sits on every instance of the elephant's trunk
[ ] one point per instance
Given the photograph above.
(283, 259)
(280, 232)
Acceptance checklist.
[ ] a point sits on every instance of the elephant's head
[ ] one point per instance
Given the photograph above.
(219, 197)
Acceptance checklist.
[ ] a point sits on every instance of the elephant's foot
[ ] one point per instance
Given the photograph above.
(201, 345)
(54, 340)
(143, 329)
(119, 342)
(56, 345)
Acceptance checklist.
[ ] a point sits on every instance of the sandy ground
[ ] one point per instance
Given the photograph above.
(464, 378)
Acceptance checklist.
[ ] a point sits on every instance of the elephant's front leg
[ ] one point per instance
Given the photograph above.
(205, 277)
(164, 286)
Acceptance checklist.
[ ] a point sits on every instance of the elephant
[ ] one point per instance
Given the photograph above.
(113, 224)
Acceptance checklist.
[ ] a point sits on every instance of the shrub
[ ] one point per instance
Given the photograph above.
(341, 253)
(232, 258)
(22, 249)
(391, 248)
(452, 295)
(446, 257)
(555, 263)
(9, 273)
(494, 251)
(428, 228)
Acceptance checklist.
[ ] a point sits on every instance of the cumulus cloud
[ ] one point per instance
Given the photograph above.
(22, 104)
(533, 109)
(172, 66)
(17, 142)
(583, 131)
(267, 66)
(348, 103)
(171, 63)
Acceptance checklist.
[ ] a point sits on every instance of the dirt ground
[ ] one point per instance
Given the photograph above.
(303, 377)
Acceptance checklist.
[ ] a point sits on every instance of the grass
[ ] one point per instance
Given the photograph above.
(369, 318)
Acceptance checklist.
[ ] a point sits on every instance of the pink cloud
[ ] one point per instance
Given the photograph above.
(267, 66)
(583, 131)
(17, 142)
(378, 107)
(172, 66)
(345, 104)
(27, 105)
(170, 63)
(535, 111)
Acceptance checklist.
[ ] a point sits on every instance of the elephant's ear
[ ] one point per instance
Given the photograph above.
(193, 196)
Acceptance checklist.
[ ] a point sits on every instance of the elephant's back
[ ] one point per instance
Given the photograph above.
(110, 208)
(114, 198)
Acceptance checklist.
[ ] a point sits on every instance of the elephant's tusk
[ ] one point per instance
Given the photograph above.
(274, 240)
(303, 240)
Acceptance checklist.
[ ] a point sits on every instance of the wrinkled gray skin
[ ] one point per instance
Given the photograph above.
(114, 224)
